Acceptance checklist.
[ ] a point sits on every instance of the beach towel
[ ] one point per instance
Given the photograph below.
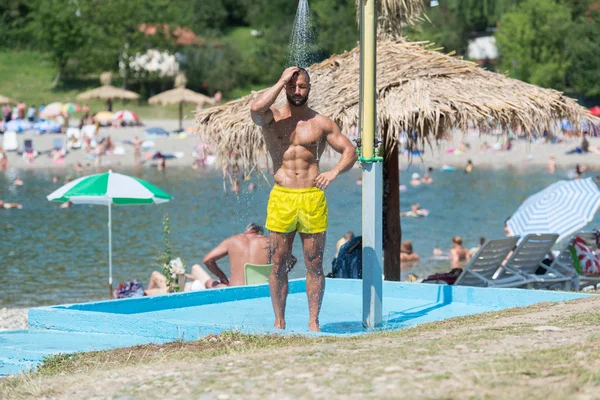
(157, 130)
(129, 289)
(586, 261)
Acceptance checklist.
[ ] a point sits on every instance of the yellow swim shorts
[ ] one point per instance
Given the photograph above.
(302, 210)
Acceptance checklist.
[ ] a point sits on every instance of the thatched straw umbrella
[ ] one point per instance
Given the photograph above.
(6, 100)
(420, 90)
(107, 91)
(180, 95)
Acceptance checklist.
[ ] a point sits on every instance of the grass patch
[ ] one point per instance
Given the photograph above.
(235, 342)
(584, 319)
(28, 76)
(455, 358)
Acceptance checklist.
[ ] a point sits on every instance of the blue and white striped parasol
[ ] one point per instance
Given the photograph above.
(563, 207)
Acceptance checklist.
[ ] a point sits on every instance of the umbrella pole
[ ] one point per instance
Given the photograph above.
(110, 286)
(181, 116)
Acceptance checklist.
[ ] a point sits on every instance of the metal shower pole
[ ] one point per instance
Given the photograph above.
(372, 166)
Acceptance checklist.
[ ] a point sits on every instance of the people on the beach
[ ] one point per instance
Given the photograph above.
(415, 211)
(21, 107)
(585, 144)
(3, 160)
(342, 241)
(551, 165)
(249, 247)
(407, 254)
(162, 163)
(137, 149)
(295, 137)
(7, 113)
(469, 167)
(415, 179)
(507, 145)
(579, 169)
(85, 111)
(31, 113)
(4, 205)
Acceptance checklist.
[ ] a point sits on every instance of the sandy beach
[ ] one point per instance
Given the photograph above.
(522, 154)
(180, 145)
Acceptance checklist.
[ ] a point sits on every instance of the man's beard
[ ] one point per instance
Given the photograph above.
(297, 101)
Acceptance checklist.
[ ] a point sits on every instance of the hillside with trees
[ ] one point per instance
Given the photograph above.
(242, 44)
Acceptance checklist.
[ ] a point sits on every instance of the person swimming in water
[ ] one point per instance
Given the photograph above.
(415, 179)
(415, 211)
(407, 254)
(458, 254)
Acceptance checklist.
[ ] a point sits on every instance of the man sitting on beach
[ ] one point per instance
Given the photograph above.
(249, 247)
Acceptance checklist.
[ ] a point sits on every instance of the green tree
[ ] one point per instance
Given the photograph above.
(59, 29)
(335, 25)
(583, 50)
(211, 68)
(263, 14)
(15, 17)
(532, 41)
(454, 22)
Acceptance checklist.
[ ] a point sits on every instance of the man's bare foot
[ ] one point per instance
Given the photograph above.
(279, 324)
(314, 327)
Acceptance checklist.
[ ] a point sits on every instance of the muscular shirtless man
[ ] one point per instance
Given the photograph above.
(296, 137)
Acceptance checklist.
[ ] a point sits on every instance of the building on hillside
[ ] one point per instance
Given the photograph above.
(483, 51)
(180, 35)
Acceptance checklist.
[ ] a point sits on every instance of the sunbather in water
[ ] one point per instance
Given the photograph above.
(4, 205)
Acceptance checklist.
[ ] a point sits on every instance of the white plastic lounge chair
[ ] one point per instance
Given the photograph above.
(528, 257)
(564, 263)
(10, 142)
(483, 265)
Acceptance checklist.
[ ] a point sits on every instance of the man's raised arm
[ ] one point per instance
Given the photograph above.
(261, 107)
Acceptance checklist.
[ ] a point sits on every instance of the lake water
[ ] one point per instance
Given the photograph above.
(51, 255)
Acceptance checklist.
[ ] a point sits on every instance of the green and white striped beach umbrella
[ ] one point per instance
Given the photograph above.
(107, 189)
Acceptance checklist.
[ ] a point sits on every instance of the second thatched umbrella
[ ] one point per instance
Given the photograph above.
(419, 90)
(107, 91)
(6, 100)
(180, 95)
